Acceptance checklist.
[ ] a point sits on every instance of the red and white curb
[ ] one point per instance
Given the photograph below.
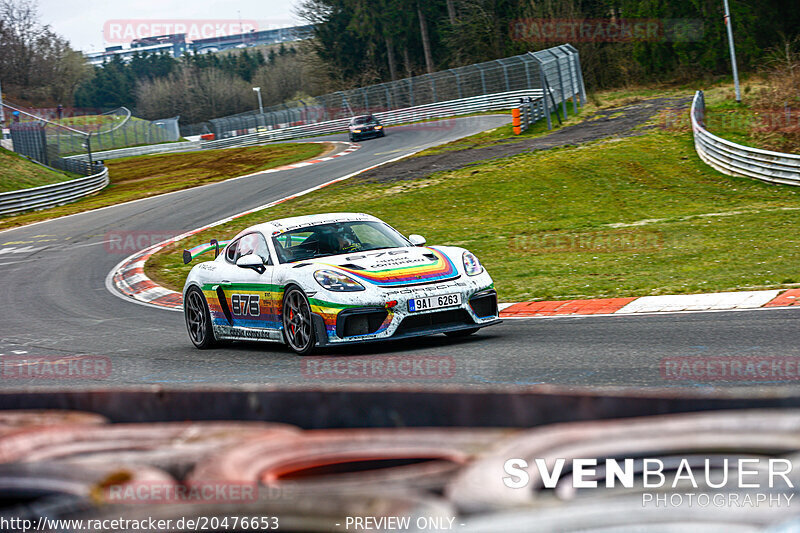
(352, 147)
(678, 303)
(128, 280)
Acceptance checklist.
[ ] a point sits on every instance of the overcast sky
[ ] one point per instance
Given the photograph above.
(82, 21)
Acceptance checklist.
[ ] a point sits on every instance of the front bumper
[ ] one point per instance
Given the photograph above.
(367, 134)
(373, 320)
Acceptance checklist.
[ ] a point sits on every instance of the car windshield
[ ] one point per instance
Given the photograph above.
(364, 120)
(335, 238)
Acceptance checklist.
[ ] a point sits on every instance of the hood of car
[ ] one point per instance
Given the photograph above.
(396, 267)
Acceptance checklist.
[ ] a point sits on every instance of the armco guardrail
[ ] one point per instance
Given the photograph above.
(52, 195)
(737, 160)
(187, 146)
(475, 104)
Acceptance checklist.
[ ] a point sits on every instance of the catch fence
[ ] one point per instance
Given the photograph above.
(554, 73)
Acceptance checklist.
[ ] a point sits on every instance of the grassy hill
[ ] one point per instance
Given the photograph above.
(18, 173)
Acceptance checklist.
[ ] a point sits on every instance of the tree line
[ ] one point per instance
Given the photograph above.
(365, 41)
(359, 42)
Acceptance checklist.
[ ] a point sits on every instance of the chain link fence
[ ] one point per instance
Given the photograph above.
(46, 139)
(111, 130)
(554, 72)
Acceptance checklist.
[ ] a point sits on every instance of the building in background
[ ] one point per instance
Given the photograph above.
(176, 45)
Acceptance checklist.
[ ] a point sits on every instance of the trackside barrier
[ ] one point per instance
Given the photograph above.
(52, 195)
(737, 160)
(187, 146)
(530, 110)
(475, 104)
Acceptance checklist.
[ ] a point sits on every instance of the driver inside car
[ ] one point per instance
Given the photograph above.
(338, 240)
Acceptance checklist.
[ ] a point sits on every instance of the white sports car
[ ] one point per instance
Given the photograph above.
(338, 278)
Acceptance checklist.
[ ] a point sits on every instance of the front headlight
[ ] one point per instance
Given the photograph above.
(356, 131)
(378, 127)
(471, 264)
(334, 281)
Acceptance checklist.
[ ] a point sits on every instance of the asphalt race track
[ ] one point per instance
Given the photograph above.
(55, 303)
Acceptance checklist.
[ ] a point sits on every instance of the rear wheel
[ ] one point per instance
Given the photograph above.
(198, 319)
(298, 328)
(462, 332)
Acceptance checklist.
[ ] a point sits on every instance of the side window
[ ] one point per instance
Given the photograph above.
(252, 243)
(230, 252)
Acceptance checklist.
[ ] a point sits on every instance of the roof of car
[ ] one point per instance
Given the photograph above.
(292, 223)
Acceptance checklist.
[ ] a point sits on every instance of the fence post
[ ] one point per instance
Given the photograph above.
(573, 86)
(561, 84)
(458, 83)
(505, 75)
(579, 74)
(89, 148)
(545, 91)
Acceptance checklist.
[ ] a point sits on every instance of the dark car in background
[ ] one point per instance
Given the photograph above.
(364, 127)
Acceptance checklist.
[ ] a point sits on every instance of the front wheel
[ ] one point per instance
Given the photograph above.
(198, 319)
(298, 328)
(461, 332)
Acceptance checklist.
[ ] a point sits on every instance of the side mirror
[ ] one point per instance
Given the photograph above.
(251, 261)
(417, 240)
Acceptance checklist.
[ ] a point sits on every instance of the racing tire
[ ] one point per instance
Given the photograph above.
(198, 319)
(298, 326)
(352, 139)
(382, 134)
(461, 332)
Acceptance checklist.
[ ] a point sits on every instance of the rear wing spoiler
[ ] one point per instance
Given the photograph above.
(200, 249)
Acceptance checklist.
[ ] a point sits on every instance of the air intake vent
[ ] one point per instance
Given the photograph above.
(353, 266)
(359, 322)
(484, 305)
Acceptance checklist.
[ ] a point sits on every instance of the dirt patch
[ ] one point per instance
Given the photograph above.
(622, 121)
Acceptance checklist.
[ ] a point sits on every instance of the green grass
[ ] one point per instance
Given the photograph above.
(138, 177)
(505, 133)
(693, 229)
(744, 122)
(16, 172)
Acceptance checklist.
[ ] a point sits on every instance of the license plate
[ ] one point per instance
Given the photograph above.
(434, 302)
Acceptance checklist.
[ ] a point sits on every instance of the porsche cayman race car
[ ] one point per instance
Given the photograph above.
(332, 279)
